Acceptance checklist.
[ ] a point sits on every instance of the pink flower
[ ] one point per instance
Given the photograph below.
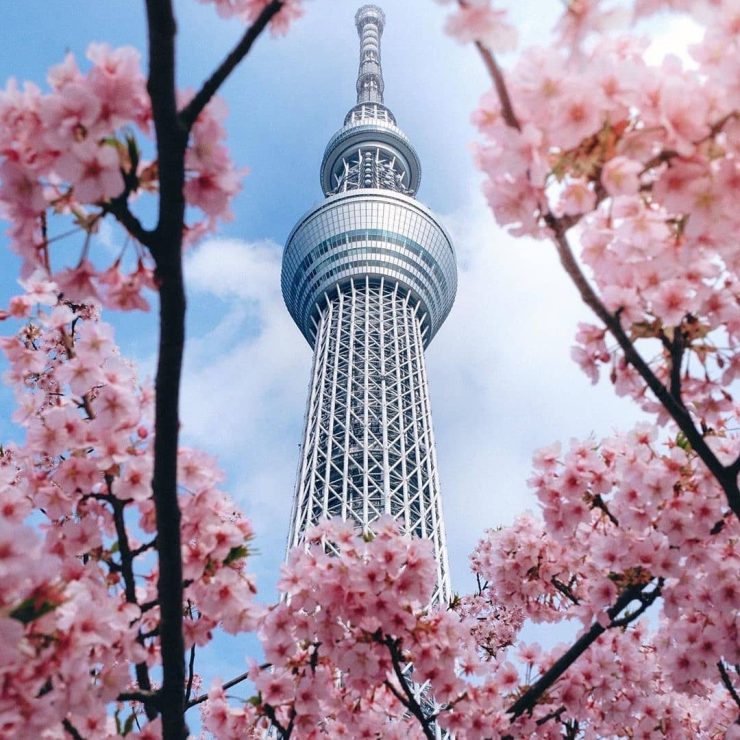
(620, 176)
(578, 114)
(477, 21)
(577, 198)
(93, 171)
(69, 115)
(672, 301)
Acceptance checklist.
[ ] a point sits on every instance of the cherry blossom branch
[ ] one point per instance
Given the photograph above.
(507, 108)
(190, 113)
(725, 476)
(410, 702)
(531, 696)
(145, 697)
(555, 714)
(71, 730)
(564, 589)
(119, 208)
(676, 350)
(233, 682)
(191, 675)
(129, 582)
(165, 243)
(727, 681)
(166, 249)
(285, 732)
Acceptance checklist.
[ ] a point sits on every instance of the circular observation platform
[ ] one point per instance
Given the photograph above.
(370, 127)
(373, 234)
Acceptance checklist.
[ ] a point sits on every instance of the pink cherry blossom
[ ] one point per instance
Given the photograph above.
(477, 21)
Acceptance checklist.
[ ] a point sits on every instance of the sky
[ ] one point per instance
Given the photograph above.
(502, 383)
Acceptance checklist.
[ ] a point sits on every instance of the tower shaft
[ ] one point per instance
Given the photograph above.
(368, 443)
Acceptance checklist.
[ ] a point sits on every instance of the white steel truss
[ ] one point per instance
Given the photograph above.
(368, 445)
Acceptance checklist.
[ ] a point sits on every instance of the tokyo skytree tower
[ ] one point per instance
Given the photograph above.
(369, 276)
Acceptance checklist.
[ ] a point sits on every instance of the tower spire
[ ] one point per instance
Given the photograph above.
(370, 21)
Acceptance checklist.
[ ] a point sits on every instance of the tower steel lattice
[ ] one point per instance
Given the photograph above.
(369, 276)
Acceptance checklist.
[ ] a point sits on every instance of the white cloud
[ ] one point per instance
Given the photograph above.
(244, 383)
(673, 35)
(502, 383)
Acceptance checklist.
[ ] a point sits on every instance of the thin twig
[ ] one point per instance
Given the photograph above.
(129, 582)
(145, 697)
(677, 347)
(191, 675)
(564, 589)
(728, 683)
(270, 714)
(71, 730)
(532, 695)
(119, 208)
(410, 703)
(507, 108)
(190, 113)
(233, 682)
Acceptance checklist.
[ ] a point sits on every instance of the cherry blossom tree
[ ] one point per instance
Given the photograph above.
(70, 158)
(119, 553)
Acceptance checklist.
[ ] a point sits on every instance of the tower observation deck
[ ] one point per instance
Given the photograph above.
(369, 276)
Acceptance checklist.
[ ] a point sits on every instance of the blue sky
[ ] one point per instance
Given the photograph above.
(501, 380)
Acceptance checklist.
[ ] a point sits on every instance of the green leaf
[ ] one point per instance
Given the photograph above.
(29, 610)
(236, 553)
(683, 442)
(133, 152)
(128, 724)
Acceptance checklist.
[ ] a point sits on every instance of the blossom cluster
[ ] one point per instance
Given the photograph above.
(355, 606)
(640, 161)
(354, 649)
(70, 158)
(78, 608)
(626, 513)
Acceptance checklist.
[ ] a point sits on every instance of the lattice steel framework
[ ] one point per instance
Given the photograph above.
(369, 277)
(369, 442)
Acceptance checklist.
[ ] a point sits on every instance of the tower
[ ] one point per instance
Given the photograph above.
(369, 276)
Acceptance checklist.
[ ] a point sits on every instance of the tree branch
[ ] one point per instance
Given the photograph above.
(71, 730)
(410, 703)
(532, 695)
(676, 350)
(145, 697)
(724, 476)
(507, 108)
(119, 208)
(564, 589)
(167, 251)
(190, 113)
(129, 582)
(727, 681)
(233, 682)
(285, 732)
(191, 675)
